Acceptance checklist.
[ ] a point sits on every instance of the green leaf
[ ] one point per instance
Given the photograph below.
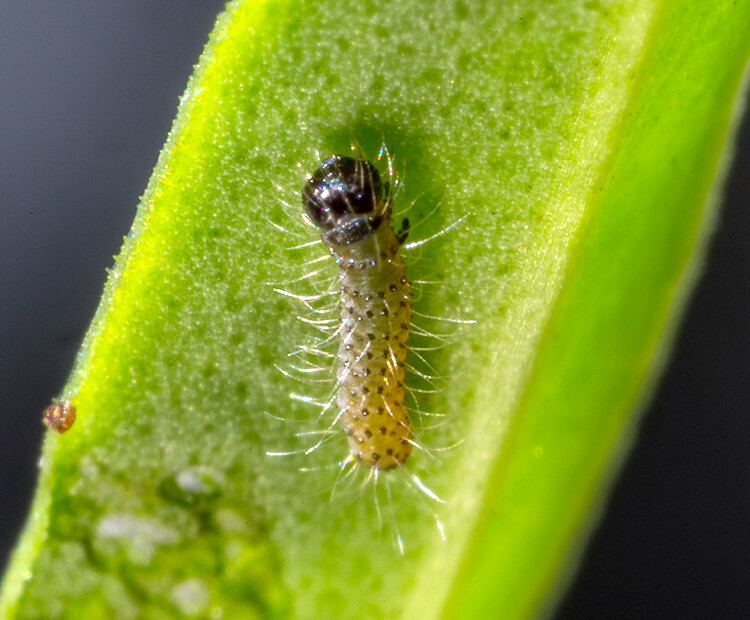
(578, 141)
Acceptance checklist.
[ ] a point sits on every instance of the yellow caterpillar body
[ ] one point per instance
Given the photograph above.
(346, 200)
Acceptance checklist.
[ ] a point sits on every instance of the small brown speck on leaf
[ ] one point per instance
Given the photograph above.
(59, 416)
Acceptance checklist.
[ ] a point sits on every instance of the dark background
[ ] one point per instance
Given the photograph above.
(88, 90)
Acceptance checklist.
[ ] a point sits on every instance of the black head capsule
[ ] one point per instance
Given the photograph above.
(344, 198)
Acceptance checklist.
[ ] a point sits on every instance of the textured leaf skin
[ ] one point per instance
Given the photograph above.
(579, 140)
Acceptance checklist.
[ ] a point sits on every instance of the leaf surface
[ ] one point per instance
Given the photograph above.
(575, 143)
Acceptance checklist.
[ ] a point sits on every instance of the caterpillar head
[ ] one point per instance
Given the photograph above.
(345, 198)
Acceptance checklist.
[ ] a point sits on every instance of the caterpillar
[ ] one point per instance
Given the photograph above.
(346, 199)
(352, 208)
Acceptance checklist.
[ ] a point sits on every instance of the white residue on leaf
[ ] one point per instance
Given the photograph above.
(190, 597)
(139, 535)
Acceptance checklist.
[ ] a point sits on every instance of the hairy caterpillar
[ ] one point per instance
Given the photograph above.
(347, 201)
(352, 208)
